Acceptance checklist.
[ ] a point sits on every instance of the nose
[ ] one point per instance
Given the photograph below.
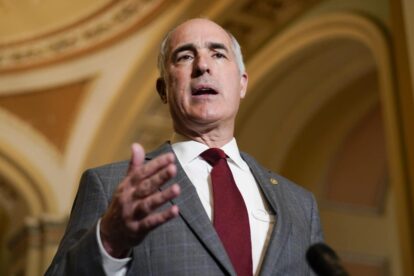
(200, 66)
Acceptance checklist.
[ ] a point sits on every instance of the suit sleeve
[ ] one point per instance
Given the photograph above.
(316, 229)
(78, 252)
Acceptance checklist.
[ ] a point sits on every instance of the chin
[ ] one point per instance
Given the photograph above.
(206, 118)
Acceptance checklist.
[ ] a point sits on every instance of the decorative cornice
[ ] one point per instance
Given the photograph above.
(104, 27)
(253, 22)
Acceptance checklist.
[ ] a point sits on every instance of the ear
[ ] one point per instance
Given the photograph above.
(244, 79)
(161, 89)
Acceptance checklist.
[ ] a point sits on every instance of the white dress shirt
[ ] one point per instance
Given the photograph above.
(198, 171)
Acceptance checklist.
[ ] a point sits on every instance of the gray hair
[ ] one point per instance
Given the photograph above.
(163, 53)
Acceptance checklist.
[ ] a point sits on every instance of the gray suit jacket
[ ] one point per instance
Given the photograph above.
(188, 244)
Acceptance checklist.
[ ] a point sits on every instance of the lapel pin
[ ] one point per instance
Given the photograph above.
(273, 181)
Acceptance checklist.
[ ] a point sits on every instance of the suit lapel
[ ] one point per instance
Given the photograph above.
(192, 211)
(274, 195)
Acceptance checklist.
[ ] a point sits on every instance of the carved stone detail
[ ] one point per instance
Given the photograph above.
(97, 31)
(254, 21)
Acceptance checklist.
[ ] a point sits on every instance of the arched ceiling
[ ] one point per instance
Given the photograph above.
(39, 32)
(296, 87)
(25, 19)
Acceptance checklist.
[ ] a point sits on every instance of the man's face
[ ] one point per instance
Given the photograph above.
(203, 82)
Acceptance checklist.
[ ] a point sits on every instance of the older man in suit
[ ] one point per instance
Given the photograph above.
(196, 205)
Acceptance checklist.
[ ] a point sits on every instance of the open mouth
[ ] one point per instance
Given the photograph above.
(203, 91)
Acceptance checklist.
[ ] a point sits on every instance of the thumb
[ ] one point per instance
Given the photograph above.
(137, 156)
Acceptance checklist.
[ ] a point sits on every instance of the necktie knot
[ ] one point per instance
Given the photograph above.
(213, 155)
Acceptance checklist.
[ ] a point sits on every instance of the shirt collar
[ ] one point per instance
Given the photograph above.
(188, 150)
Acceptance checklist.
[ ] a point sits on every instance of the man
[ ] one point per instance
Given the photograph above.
(153, 215)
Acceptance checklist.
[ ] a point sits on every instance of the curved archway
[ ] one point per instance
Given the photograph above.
(305, 67)
(27, 200)
(29, 163)
(309, 88)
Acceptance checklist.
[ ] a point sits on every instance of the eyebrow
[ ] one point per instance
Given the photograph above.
(182, 48)
(192, 47)
(216, 45)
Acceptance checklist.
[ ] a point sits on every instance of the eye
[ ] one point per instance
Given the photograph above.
(219, 55)
(184, 57)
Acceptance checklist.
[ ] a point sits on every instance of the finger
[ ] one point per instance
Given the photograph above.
(152, 167)
(148, 205)
(152, 183)
(157, 219)
(137, 157)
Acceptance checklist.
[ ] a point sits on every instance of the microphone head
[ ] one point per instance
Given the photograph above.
(324, 261)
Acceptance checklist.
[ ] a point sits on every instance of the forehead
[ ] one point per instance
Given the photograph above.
(199, 32)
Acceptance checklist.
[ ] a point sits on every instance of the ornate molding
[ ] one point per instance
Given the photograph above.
(114, 21)
(8, 196)
(253, 22)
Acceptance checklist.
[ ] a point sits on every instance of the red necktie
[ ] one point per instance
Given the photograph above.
(230, 216)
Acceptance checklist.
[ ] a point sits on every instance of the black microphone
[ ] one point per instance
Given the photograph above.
(324, 261)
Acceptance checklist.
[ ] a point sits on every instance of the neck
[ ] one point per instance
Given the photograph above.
(213, 138)
(211, 141)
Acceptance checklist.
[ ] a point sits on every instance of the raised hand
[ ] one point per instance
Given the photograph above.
(131, 214)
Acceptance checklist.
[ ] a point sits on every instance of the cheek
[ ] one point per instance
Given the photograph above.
(177, 100)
